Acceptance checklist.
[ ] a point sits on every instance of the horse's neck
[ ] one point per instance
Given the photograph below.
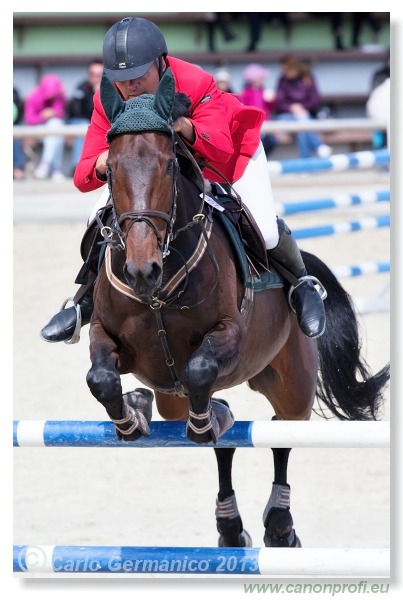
(189, 200)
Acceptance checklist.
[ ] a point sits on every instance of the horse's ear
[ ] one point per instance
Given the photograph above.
(111, 101)
(164, 98)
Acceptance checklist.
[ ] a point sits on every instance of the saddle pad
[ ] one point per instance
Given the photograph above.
(267, 279)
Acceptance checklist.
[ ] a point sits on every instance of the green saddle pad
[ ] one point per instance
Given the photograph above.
(267, 279)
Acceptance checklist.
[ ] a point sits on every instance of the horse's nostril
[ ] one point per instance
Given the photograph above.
(155, 272)
(143, 279)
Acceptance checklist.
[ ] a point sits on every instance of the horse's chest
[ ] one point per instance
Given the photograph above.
(148, 333)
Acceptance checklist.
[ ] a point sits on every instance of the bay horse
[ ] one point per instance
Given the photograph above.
(171, 307)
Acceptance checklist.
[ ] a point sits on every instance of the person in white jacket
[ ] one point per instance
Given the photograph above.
(378, 107)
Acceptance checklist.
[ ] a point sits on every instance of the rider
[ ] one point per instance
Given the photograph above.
(220, 130)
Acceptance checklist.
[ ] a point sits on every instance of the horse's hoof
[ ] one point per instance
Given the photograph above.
(142, 400)
(137, 406)
(223, 414)
(244, 541)
(200, 438)
(137, 426)
(289, 541)
(205, 429)
(279, 530)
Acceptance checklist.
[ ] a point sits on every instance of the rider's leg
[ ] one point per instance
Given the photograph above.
(254, 187)
(62, 325)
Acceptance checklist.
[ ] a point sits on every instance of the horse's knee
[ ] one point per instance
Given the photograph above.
(104, 384)
(201, 372)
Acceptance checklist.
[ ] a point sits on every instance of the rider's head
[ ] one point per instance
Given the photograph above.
(131, 47)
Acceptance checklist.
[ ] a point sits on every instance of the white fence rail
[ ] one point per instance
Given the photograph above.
(40, 131)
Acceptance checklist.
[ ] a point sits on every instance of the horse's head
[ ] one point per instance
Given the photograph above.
(142, 172)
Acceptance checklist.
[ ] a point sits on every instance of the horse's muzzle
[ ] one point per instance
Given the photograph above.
(144, 280)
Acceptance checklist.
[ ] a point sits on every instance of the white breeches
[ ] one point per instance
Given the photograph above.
(254, 187)
(100, 203)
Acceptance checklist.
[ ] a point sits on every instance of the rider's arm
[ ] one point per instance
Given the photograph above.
(208, 118)
(93, 156)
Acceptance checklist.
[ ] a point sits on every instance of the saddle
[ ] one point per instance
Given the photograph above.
(241, 218)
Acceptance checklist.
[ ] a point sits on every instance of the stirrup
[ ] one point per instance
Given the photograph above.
(317, 284)
(75, 338)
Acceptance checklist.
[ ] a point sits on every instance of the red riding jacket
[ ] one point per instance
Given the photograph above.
(227, 133)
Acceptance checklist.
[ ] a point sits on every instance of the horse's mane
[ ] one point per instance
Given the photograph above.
(181, 107)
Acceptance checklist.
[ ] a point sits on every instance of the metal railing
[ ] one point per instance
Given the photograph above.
(363, 124)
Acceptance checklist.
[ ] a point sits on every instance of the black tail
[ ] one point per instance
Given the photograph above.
(345, 383)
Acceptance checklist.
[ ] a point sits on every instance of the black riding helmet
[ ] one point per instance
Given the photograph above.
(130, 48)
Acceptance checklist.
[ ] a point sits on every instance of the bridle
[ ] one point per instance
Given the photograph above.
(147, 216)
(115, 236)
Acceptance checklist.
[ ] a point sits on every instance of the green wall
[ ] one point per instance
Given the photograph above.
(73, 39)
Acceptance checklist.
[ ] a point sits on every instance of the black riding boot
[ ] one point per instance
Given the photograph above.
(304, 298)
(62, 326)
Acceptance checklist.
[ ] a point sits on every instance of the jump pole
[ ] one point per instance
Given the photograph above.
(198, 561)
(252, 434)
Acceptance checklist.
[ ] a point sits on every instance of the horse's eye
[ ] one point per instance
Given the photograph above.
(170, 165)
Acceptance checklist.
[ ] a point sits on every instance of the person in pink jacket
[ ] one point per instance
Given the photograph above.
(45, 105)
(255, 93)
(219, 129)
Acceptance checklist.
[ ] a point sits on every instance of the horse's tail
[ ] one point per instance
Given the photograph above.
(345, 384)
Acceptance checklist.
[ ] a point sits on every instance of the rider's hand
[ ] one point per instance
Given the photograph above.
(100, 165)
(184, 127)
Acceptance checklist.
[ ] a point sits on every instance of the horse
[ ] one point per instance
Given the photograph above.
(174, 306)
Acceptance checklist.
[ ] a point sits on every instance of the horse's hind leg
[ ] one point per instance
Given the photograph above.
(277, 519)
(229, 522)
(290, 384)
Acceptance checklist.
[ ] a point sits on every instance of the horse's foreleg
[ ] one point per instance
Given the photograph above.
(229, 522)
(217, 354)
(277, 519)
(131, 412)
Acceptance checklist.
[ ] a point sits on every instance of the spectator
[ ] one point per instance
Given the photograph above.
(378, 103)
(223, 81)
(80, 106)
(45, 105)
(358, 21)
(297, 99)
(255, 26)
(218, 20)
(378, 107)
(19, 160)
(254, 93)
(337, 27)
(381, 74)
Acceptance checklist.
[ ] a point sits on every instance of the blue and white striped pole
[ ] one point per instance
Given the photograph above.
(337, 162)
(342, 227)
(243, 434)
(200, 561)
(336, 201)
(364, 268)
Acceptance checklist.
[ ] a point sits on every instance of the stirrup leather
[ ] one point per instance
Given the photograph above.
(317, 284)
(75, 338)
